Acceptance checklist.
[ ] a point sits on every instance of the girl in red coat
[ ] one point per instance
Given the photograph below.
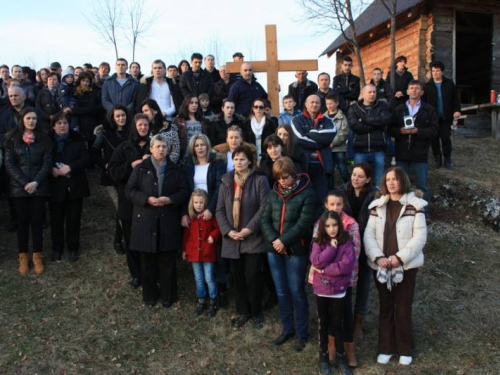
(200, 240)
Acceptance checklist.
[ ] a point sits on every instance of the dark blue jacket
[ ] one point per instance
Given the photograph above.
(316, 136)
(243, 94)
(113, 93)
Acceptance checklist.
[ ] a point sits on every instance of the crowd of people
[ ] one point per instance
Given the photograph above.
(200, 165)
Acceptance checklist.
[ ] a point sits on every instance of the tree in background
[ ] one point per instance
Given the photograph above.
(391, 5)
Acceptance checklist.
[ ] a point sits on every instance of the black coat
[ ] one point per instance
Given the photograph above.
(215, 75)
(384, 91)
(451, 104)
(156, 229)
(145, 91)
(120, 169)
(87, 110)
(105, 144)
(401, 84)
(414, 147)
(9, 118)
(217, 130)
(364, 213)
(76, 155)
(221, 92)
(308, 89)
(348, 88)
(269, 128)
(369, 125)
(216, 170)
(48, 105)
(26, 164)
(205, 84)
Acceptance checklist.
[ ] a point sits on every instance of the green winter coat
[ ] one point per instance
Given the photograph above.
(290, 220)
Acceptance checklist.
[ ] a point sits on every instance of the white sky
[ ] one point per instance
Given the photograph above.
(36, 33)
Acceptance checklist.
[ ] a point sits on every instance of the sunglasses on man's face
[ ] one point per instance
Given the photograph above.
(258, 107)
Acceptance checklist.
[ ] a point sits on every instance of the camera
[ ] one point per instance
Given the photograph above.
(409, 123)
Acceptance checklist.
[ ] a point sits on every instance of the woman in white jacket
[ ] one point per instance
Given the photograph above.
(394, 239)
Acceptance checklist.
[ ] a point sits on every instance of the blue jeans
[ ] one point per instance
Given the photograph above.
(419, 178)
(350, 146)
(377, 162)
(390, 147)
(289, 276)
(204, 272)
(340, 161)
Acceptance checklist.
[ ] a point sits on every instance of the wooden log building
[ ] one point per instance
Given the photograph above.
(463, 34)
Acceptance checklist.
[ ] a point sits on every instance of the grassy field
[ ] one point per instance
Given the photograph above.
(83, 318)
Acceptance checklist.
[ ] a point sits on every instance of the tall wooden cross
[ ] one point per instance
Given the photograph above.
(272, 66)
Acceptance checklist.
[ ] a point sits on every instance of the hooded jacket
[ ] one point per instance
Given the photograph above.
(339, 143)
(290, 219)
(411, 230)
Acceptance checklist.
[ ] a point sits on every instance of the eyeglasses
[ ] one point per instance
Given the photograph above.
(258, 107)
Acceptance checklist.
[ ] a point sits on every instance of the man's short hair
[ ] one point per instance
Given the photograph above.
(438, 65)
(122, 59)
(415, 82)
(4, 67)
(158, 61)
(104, 63)
(347, 59)
(238, 54)
(53, 74)
(227, 100)
(88, 66)
(16, 66)
(172, 67)
(212, 56)
(379, 69)
(401, 58)
(333, 96)
(197, 56)
(324, 74)
(287, 97)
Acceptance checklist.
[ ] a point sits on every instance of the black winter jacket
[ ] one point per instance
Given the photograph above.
(76, 155)
(348, 88)
(414, 147)
(87, 110)
(383, 90)
(221, 92)
(364, 213)
(25, 164)
(144, 92)
(48, 106)
(401, 84)
(120, 169)
(205, 84)
(269, 128)
(217, 130)
(369, 125)
(156, 229)
(451, 104)
(105, 144)
(308, 88)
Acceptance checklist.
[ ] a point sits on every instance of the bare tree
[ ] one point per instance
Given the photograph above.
(215, 47)
(338, 15)
(140, 19)
(106, 18)
(390, 6)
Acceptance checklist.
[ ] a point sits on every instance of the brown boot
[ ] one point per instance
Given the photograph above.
(38, 263)
(358, 327)
(23, 264)
(332, 350)
(350, 353)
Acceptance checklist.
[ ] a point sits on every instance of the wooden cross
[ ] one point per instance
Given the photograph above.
(272, 66)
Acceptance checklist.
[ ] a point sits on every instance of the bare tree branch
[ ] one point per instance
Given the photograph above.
(141, 19)
(105, 17)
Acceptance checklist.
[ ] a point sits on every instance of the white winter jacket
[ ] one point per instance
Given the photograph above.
(411, 231)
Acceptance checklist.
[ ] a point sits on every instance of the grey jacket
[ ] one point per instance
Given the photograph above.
(113, 93)
(339, 143)
(254, 197)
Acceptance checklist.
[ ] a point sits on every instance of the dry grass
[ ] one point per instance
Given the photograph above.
(85, 319)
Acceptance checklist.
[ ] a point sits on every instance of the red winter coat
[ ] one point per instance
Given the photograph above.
(195, 243)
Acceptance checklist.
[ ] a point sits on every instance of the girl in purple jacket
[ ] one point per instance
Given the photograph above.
(332, 260)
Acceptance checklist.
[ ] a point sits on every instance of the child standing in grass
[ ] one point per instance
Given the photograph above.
(332, 260)
(200, 240)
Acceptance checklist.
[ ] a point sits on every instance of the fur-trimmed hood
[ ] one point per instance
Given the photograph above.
(413, 198)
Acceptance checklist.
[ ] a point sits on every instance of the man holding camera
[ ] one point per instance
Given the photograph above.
(414, 125)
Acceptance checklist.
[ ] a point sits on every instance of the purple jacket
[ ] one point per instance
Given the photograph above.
(337, 263)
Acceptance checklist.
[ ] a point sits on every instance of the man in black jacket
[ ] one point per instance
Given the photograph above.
(402, 78)
(197, 81)
(301, 88)
(211, 69)
(346, 85)
(368, 120)
(46, 100)
(441, 93)
(414, 125)
(324, 89)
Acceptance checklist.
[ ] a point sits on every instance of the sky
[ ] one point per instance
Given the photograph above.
(58, 31)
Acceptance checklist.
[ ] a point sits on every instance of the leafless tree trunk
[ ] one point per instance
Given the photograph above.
(391, 5)
(214, 46)
(336, 15)
(105, 17)
(141, 20)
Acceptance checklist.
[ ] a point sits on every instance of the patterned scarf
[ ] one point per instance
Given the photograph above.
(286, 191)
(160, 172)
(240, 179)
(28, 138)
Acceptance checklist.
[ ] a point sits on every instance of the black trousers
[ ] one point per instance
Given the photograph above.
(441, 144)
(30, 212)
(347, 319)
(330, 312)
(65, 221)
(395, 333)
(133, 257)
(248, 283)
(159, 267)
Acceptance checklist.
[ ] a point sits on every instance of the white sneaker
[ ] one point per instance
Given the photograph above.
(384, 359)
(405, 360)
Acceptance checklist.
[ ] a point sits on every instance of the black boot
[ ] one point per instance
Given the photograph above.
(212, 308)
(448, 163)
(73, 256)
(342, 366)
(200, 307)
(324, 365)
(438, 162)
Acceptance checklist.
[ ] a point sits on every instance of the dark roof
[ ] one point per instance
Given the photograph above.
(374, 15)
